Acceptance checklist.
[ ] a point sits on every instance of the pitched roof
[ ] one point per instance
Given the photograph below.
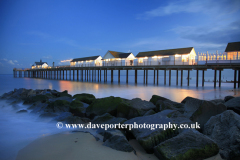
(165, 52)
(40, 63)
(233, 46)
(119, 54)
(85, 59)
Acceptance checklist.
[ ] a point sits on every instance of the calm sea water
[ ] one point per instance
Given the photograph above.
(18, 130)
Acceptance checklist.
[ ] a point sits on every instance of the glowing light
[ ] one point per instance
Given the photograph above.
(67, 60)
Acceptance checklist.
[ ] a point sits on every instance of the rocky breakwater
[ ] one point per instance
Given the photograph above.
(155, 124)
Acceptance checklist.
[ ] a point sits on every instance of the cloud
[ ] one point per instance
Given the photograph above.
(208, 34)
(12, 62)
(208, 7)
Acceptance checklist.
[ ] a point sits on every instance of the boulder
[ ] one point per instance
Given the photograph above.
(66, 98)
(155, 98)
(63, 94)
(186, 99)
(156, 130)
(7, 95)
(85, 97)
(67, 117)
(227, 98)
(201, 111)
(150, 112)
(168, 104)
(31, 93)
(104, 105)
(224, 129)
(38, 107)
(107, 119)
(216, 101)
(41, 98)
(233, 104)
(77, 108)
(188, 145)
(57, 106)
(115, 139)
(134, 108)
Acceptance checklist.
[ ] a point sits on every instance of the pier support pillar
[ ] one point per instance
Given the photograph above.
(87, 75)
(66, 74)
(146, 76)
(106, 75)
(220, 77)
(127, 76)
(197, 78)
(177, 77)
(181, 77)
(235, 77)
(119, 76)
(154, 76)
(63, 75)
(57, 74)
(165, 77)
(98, 75)
(70, 74)
(203, 78)
(77, 75)
(92, 75)
(157, 76)
(135, 76)
(188, 77)
(215, 78)
(238, 78)
(74, 74)
(111, 75)
(170, 77)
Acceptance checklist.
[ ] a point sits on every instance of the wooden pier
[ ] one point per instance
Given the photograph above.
(95, 73)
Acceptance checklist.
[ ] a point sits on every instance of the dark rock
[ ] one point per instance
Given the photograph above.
(224, 129)
(227, 98)
(155, 98)
(104, 105)
(107, 119)
(85, 97)
(150, 112)
(7, 95)
(134, 108)
(39, 107)
(168, 104)
(64, 93)
(201, 111)
(216, 101)
(115, 139)
(186, 99)
(77, 108)
(67, 117)
(58, 106)
(31, 93)
(22, 111)
(66, 98)
(41, 98)
(233, 104)
(151, 135)
(189, 144)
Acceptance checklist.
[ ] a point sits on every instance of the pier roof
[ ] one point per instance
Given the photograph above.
(40, 63)
(165, 52)
(233, 46)
(119, 54)
(85, 58)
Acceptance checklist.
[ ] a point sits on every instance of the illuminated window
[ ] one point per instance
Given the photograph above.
(140, 60)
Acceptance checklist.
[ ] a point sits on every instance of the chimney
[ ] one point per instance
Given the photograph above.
(40, 60)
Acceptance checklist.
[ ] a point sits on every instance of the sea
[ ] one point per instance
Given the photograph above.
(19, 129)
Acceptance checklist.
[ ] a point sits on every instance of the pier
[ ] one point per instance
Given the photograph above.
(94, 73)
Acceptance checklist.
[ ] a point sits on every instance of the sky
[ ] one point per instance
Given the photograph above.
(59, 30)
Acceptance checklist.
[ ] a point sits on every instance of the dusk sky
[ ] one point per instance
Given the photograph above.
(54, 31)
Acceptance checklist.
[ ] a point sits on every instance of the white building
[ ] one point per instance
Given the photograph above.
(179, 56)
(40, 65)
(113, 58)
(86, 61)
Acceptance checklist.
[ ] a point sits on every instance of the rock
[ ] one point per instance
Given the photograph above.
(233, 104)
(31, 93)
(107, 119)
(104, 105)
(188, 145)
(227, 98)
(19, 93)
(115, 139)
(168, 104)
(201, 111)
(155, 98)
(22, 111)
(186, 99)
(77, 108)
(85, 97)
(216, 101)
(41, 98)
(134, 108)
(7, 95)
(152, 135)
(64, 93)
(150, 112)
(58, 106)
(67, 117)
(224, 129)
(39, 107)
(66, 98)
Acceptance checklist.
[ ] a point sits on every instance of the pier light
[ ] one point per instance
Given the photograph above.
(177, 55)
(154, 57)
